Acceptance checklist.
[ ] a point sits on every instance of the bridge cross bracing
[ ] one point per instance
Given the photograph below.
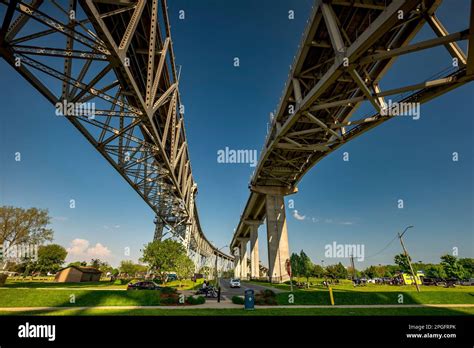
(117, 56)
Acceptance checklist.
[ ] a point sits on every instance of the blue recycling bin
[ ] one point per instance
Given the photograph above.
(249, 301)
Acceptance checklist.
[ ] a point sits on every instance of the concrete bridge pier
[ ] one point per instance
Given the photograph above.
(243, 258)
(254, 257)
(277, 238)
(236, 266)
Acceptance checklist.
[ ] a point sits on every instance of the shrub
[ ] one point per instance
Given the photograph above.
(168, 290)
(169, 300)
(3, 278)
(238, 300)
(268, 293)
(121, 281)
(195, 300)
(265, 297)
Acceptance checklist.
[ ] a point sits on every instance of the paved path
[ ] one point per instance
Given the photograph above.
(228, 304)
(228, 292)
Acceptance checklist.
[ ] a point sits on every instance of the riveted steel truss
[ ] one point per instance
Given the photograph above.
(109, 67)
(346, 49)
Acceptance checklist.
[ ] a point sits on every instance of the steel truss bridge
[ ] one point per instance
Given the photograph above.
(116, 55)
(346, 49)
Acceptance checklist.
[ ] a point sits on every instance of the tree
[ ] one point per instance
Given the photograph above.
(130, 268)
(77, 263)
(105, 268)
(402, 261)
(370, 272)
(184, 268)
(468, 265)
(376, 271)
(317, 271)
(50, 258)
(336, 271)
(161, 256)
(295, 265)
(19, 225)
(435, 271)
(305, 266)
(95, 263)
(452, 267)
(207, 271)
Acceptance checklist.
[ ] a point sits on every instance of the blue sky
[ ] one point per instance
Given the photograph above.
(351, 202)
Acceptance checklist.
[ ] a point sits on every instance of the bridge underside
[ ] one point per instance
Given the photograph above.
(346, 50)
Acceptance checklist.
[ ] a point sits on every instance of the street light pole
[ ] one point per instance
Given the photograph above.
(408, 257)
(217, 272)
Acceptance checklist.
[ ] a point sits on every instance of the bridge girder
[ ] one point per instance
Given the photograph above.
(346, 49)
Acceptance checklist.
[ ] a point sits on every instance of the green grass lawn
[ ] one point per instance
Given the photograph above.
(258, 312)
(101, 285)
(46, 294)
(32, 284)
(61, 298)
(52, 294)
(186, 284)
(342, 297)
(345, 293)
(346, 285)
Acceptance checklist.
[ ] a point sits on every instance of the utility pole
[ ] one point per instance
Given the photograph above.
(408, 257)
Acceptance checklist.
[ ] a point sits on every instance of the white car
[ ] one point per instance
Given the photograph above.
(235, 283)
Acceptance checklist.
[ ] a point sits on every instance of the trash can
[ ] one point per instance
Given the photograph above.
(249, 301)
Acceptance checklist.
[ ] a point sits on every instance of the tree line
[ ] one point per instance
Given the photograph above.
(449, 267)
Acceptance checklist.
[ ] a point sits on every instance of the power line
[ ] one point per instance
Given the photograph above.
(385, 247)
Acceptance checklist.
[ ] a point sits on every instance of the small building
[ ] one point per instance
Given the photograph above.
(76, 274)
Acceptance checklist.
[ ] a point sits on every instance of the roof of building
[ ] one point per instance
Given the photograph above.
(83, 269)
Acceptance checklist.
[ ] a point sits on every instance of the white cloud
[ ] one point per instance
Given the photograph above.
(78, 246)
(298, 216)
(98, 250)
(80, 250)
(117, 226)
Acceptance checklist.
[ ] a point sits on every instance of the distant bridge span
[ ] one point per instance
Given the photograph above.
(346, 49)
(117, 56)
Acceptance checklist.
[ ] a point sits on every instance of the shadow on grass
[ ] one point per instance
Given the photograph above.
(36, 284)
(345, 297)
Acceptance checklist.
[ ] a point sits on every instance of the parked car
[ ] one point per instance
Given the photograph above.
(172, 277)
(235, 283)
(451, 283)
(146, 285)
(468, 282)
(429, 281)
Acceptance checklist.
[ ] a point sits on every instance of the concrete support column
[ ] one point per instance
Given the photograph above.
(277, 238)
(254, 260)
(236, 266)
(243, 259)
